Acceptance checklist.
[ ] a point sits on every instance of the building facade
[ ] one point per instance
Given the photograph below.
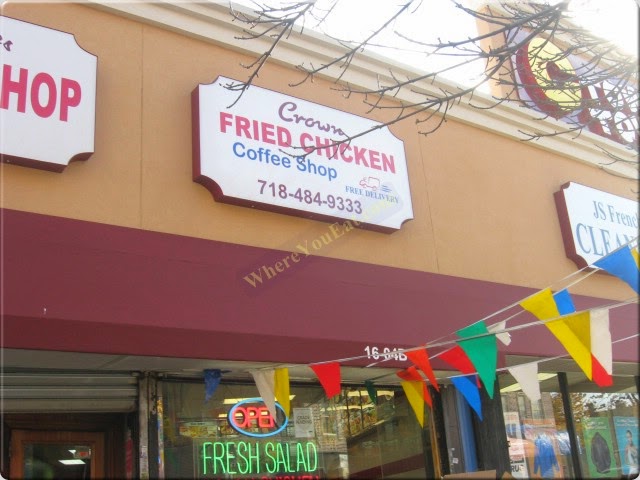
(136, 270)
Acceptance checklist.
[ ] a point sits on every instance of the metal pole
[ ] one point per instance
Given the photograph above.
(143, 424)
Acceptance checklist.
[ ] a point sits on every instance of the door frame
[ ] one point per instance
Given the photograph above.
(112, 425)
(95, 440)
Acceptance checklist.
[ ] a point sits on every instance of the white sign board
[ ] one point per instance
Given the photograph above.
(303, 421)
(47, 96)
(594, 223)
(281, 153)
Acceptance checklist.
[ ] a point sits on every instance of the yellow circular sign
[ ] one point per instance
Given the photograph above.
(554, 74)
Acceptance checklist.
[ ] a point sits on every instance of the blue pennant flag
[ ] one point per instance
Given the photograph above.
(212, 379)
(468, 387)
(564, 302)
(621, 264)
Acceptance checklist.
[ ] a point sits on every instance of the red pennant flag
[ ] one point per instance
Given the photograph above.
(420, 358)
(329, 376)
(600, 375)
(411, 374)
(458, 359)
(427, 395)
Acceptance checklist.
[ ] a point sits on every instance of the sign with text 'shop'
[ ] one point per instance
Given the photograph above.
(280, 153)
(47, 96)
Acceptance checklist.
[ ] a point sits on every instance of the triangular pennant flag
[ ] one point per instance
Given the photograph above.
(622, 264)
(600, 376)
(411, 374)
(504, 337)
(371, 390)
(458, 359)
(415, 395)
(527, 376)
(265, 381)
(420, 359)
(601, 348)
(329, 376)
(574, 333)
(212, 379)
(542, 305)
(426, 394)
(483, 353)
(469, 391)
(564, 302)
(281, 389)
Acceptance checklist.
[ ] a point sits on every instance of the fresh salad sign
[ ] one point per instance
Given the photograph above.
(47, 96)
(280, 153)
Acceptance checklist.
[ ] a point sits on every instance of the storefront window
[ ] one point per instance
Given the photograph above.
(347, 436)
(606, 422)
(536, 431)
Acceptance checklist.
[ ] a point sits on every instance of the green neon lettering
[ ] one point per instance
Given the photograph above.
(281, 462)
(218, 457)
(312, 454)
(230, 455)
(255, 456)
(241, 449)
(301, 464)
(205, 457)
(271, 467)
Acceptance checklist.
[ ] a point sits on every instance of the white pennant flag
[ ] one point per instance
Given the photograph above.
(265, 381)
(601, 338)
(504, 337)
(527, 377)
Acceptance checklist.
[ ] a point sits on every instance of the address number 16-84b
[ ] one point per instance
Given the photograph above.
(384, 353)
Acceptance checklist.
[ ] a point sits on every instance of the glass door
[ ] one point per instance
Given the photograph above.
(37, 454)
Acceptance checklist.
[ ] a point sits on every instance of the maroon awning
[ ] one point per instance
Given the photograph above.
(72, 285)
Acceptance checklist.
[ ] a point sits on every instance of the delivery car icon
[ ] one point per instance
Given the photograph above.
(370, 182)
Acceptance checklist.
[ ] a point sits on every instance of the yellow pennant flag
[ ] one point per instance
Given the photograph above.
(281, 389)
(573, 331)
(415, 395)
(542, 305)
(636, 256)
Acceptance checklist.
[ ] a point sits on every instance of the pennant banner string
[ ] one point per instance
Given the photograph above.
(502, 369)
(523, 326)
(493, 332)
(592, 269)
(517, 327)
(438, 343)
(451, 342)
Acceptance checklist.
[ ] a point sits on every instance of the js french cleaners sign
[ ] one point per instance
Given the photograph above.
(280, 153)
(47, 96)
(594, 223)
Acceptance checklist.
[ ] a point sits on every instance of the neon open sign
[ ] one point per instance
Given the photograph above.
(245, 416)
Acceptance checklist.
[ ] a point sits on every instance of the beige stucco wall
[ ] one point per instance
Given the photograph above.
(483, 203)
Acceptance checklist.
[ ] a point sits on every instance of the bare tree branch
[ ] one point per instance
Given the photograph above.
(599, 95)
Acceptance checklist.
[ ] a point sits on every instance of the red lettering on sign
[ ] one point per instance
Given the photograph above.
(44, 95)
(246, 417)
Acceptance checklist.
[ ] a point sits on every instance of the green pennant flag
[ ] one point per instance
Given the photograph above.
(483, 353)
(371, 390)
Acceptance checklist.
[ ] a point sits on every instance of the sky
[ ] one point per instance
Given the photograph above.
(613, 20)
